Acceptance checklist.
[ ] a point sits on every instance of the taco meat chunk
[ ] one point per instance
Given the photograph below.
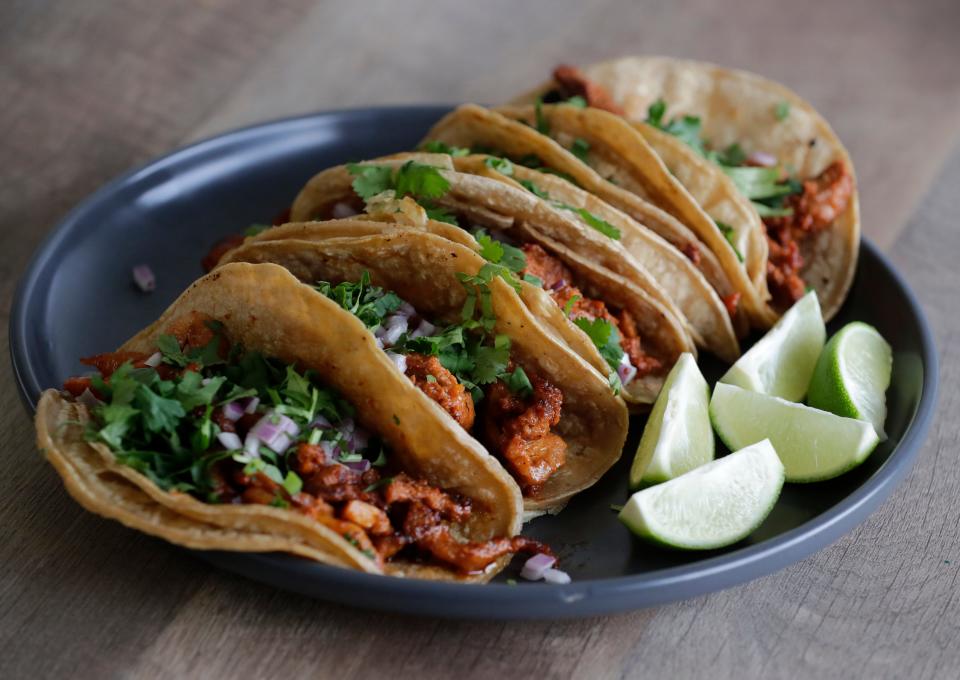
(443, 388)
(307, 454)
(519, 429)
(815, 208)
(557, 279)
(572, 83)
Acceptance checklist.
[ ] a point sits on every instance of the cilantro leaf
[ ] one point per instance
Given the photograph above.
(543, 125)
(169, 347)
(519, 383)
(420, 181)
(436, 146)
(255, 229)
(568, 306)
(160, 414)
(501, 165)
(605, 337)
(192, 393)
(533, 189)
(655, 113)
(782, 110)
(491, 362)
(580, 148)
(576, 101)
(595, 222)
(758, 183)
(371, 179)
(730, 235)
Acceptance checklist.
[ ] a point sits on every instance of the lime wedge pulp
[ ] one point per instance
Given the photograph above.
(814, 445)
(713, 506)
(782, 361)
(678, 436)
(853, 374)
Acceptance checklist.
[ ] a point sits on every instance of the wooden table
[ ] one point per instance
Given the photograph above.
(89, 89)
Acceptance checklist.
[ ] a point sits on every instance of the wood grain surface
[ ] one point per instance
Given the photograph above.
(89, 89)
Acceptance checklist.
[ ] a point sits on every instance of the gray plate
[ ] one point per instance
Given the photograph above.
(76, 299)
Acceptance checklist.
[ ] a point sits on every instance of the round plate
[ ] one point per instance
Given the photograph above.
(77, 299)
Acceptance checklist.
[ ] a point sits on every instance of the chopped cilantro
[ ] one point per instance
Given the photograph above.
(543, 125)
(730, 235)
(292, 483)
(733, 155)
(758, 183)
(580, 148)
(501, 165)
(436, 146)
(431, 379)
(576, 101)
(782, 110)
(503, 254)
(568, 306)
(255, 229)
(371, 179)
(605, 337)
(533, 189)
(519, 383)
(615, 507)
(368, 303)
(410, 179)
(379, 484)
(593, 221)
(533, 280)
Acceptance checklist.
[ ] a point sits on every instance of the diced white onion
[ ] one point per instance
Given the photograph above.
(251, 446)
(534, 568)
(761, 159)
(406, 309)
(556, 576)
(154, 360)
(424, 329)
(342, 210)
(233, 411)
(399, 360)
(626, 371)
(321, 422)
(230, 441)
(251, 405)
(89, 399)
(143, 277)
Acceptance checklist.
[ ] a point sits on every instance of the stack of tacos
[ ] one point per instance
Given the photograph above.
(431, 347)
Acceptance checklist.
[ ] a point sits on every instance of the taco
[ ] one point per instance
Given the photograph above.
(521, 134)
(597, 284)
(757, 157)
(451, 323)
(256, 414)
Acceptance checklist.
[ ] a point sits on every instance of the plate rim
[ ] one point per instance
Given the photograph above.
(499, 600)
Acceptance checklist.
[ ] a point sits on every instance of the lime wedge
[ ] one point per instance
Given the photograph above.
(853, 374)
(713, 506)
(814, 445)
(677, 437)
(782, 361)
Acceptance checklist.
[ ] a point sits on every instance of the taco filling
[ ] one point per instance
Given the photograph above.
(791, 209)
(467, 369)
(230, 426)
